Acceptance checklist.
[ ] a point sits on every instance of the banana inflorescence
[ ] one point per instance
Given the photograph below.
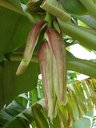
(52, 59)
(52, 54)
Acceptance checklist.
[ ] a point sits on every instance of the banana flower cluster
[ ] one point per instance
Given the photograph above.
(52, 59)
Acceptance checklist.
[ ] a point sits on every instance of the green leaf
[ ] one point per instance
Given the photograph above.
(40, 119)
(14, 29)
(80, 65)
(12, 5)
(73, 6)
(18, 112)
(24, 1)
(22, 120)
(12, 85)
(87, 19)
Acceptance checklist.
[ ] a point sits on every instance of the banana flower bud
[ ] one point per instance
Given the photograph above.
(30, 46)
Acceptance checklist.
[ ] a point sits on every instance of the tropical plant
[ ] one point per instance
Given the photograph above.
(48, 28)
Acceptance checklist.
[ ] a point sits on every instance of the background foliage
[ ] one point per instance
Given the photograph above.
(28, 109)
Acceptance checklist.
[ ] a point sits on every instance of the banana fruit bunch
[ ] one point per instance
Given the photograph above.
(52, 59)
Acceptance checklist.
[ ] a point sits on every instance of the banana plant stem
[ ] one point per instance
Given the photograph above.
(49, 19)
(18, 57)
(8, 5)
(75, 64)
(85, 38)
(56, 9)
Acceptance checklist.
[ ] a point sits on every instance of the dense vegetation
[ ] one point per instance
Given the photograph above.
(35, 38)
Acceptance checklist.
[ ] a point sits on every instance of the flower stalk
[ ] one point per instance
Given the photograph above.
(56, 9)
